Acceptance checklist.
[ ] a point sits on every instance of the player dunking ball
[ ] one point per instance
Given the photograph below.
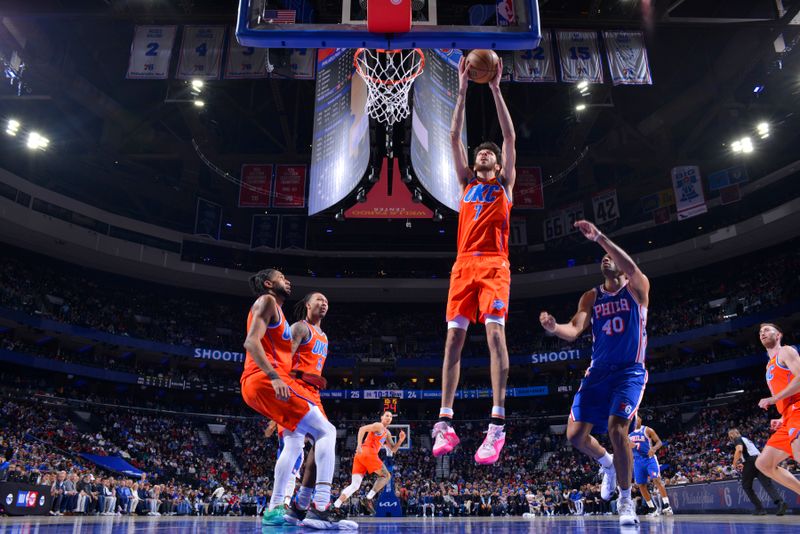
(644, 443)
(481, 275)
(783, 379)
(268, 388)
(613, 387)
(367, 460)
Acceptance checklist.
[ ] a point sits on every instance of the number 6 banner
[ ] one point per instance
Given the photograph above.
(580, 57)
(201, 52)
(151, 51)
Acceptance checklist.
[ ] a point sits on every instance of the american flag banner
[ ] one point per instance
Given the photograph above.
(279, 16)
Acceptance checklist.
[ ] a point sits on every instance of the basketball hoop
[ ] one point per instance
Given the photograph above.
(389, 75)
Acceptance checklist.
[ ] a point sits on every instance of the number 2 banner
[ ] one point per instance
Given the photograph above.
(536, 65)
(580, 56)
(151, 51)
(201, 52)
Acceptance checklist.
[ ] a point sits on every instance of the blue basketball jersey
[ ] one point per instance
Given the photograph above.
(641, 443)
(619, 328)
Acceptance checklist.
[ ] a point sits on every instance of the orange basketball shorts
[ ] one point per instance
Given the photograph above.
(789, 431)
(258, 393)
(366, 462)
(479, 286)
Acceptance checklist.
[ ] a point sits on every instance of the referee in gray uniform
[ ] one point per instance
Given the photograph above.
(747, 452)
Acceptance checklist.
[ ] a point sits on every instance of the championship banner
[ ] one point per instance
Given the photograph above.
(201, 52)
(264, 231)
(606, 208)
(255, 186)
(528, 193)
(580, 56)
(688, 186)
(627, 58)
(293, 231)
(245, 62)
(208, 218)
(293, 64)
(536, 65)
(290, 186)
(151, 51)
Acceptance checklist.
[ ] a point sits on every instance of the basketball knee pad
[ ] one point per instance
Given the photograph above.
(497, 319)
(459, 321)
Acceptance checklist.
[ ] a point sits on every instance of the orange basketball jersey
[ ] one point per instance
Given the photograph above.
(277, 344)
(483, 219)
(374, 441)
(311, 354)
(778, 377)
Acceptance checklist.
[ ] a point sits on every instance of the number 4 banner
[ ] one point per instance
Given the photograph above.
(201, 52)
(580, 56)
(605, 205)
(151, 51)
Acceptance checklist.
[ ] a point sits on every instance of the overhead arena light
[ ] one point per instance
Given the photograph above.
(763, 130)
(197, 85)
(37, 141)
(580, 107)
(12, 127)
(199, 103)
(582, 85)
(742, 146)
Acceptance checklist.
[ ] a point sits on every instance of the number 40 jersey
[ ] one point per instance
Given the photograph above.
(619, 328)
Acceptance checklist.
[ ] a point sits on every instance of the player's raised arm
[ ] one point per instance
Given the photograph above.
(463, 171)
(579, 322)
(396, 443)
(639, 283)
(788, 357)
(507, 127)
(263, 311)
(655, 440)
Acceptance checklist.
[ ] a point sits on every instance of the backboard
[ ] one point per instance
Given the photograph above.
(465, 24)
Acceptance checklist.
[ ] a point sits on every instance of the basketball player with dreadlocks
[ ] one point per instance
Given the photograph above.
(269, 388)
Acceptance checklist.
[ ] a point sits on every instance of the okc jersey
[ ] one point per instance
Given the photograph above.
(312, 353)
(277, 344)
(641, 443)
(483, 219)
(374, 442)
(619, 334)
(778, 377)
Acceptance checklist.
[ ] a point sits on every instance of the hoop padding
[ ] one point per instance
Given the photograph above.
(389, 75)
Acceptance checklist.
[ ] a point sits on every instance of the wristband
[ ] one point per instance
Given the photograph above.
(273, 375)
(598, 236)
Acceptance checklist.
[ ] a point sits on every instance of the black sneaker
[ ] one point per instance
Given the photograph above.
(293, 514)
(760, 511)
(327, 519)
(781, 508)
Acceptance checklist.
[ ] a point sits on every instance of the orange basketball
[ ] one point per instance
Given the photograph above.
(482, 65)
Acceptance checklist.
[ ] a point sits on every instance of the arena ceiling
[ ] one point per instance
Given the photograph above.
(122, 145)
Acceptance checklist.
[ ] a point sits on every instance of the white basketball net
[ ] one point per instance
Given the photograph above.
(389, 75)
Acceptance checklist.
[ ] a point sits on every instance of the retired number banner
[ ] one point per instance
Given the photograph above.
(528, 193)
(605, 206)
(245, 62)
(290, 186)
(151, 51)
(255, 186)
(536, 65)
(627, 58)
(689, 196)
(201, 52)
(580, 57)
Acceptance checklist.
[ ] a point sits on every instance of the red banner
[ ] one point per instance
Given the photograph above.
(528, 193)
(290, 186)
(382, 205)
(255, 186)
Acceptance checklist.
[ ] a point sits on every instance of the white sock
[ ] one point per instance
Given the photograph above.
(625, 494)
(337, 504)
(607, 461)
(650, 504)
(322, 496)
(665, 500)
(371, 494)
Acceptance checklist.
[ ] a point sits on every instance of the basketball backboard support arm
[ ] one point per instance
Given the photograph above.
(252, 30)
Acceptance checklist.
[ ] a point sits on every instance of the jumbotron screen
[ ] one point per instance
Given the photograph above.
(435, 93)
(340, 148)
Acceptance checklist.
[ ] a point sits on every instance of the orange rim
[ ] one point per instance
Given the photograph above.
(379, 81)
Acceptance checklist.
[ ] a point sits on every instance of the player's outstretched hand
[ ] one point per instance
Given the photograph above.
(766, 403)
(588, 230)
(494, 85)
(548, 321)
(402, 435)
(775, 424)
(463, 74)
